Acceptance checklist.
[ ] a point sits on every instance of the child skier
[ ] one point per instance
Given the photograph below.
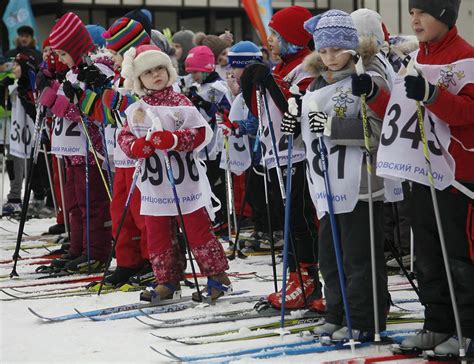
(185, 133)
(71, 41)
(291, 45)
(330, 108)
(131, 249)
(210, 95)
(444, 86)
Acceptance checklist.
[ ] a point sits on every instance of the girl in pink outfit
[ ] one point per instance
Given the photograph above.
(149, 72)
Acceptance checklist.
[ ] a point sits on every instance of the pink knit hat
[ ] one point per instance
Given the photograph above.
(70, 35)
(200, 58)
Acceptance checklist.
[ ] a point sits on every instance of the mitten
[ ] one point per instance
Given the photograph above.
(163, 139)
(60, 106)
(317, 121)
(363, 84)
(88, 102)
(142, 148)
(418, 88)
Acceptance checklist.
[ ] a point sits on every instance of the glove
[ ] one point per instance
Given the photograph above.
(163, 139)
(72, 92)
(43, 79)
(227, 126)
(87, 104)
(114, 100)
(250, 125)
(48, 97)
(199, 102)
(317, 121)
(363, 84)
(142, 148)
(289, 123)
(92, 76)
(418, 88)
(60, 106)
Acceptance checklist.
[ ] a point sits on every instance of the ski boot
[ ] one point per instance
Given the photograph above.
(325, 330)
(295, 299)
(80, 265)
(56, 264)
(449, 349)
(11, 208)
(217, 286)
(56, 229)
(423, 340)
(358, 335)
(144, 277)
(162, 292)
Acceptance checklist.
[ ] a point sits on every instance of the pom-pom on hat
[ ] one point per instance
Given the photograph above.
(243, 54)
(125, 33)
(200, 58)
(96, 31)
(289, 22)
(446, 11)
(333, 29)
(138, 60)
(70, 35)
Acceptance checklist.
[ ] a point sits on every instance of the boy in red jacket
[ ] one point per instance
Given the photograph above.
(445, 89)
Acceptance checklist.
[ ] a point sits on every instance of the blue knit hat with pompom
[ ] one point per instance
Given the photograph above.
(333, 29)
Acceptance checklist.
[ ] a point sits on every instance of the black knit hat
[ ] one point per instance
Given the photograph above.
(446, 11)
(140, 17)
(25, 29)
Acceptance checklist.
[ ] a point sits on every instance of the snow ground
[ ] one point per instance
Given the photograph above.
(24, 338)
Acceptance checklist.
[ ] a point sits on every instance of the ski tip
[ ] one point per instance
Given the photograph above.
(44, 318)
(159, 352)
(85, 316)
(144, 322)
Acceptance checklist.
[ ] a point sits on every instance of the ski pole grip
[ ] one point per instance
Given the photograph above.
(314, 107)
(156, 122)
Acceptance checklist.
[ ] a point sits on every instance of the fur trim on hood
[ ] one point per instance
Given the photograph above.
(405, 44)
(367, 49)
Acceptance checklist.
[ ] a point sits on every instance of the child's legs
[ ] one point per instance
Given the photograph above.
(15, 169)
(75, 214)
(99, 215)
(206, 248)
(127, 250)
(165, 256)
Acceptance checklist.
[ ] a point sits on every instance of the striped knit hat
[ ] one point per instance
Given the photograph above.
(70, 35)
(125, 33)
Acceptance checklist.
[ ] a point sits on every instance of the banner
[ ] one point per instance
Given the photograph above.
(266, 11)
(18, 13)
(252, 9)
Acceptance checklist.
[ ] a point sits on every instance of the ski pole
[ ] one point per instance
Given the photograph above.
(158, 127)
(274, 145)
(88, 237)
(368, 160)
(106, 157)
(136, 174)
(462, 352)
(94, 153)
(334, 230)
(40, 116)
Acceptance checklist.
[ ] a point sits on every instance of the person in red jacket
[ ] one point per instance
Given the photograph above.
(290, 45)
(445, 88)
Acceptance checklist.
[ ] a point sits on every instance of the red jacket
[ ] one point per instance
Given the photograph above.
(287, 65)
(455, 110)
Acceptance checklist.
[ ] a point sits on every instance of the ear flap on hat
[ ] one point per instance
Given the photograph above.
(311, 24)
(127, 64)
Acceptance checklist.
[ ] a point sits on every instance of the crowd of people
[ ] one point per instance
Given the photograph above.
(334, 96)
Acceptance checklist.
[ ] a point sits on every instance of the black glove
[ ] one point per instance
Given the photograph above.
(317, 121)
(42, 81)
(199, 102)
(418, 88)
(92, 76)
(289, 124)
(363, 84)
(72, 92)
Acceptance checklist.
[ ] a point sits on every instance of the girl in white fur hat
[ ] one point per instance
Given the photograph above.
(149, 72)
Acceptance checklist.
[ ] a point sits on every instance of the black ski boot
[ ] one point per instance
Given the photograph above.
(145, 277)
(80, 265)
(56, 229)
(56, 264)
(120, 276)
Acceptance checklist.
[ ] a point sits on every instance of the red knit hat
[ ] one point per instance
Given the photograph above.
(46, 43)
(70, 35)
(125, 33)
(288, 23)
(200, 58)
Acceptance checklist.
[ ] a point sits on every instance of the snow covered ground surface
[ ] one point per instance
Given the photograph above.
(25, 338)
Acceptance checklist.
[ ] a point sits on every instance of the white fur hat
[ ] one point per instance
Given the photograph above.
(369, 24)
(138, 60)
